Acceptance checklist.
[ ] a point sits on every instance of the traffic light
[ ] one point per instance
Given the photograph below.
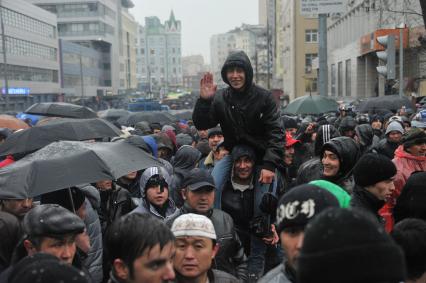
(387, 56)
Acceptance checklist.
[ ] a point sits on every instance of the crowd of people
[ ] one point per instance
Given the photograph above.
(243, 194)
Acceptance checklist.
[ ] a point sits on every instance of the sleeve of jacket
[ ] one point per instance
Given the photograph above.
(240, 260)
(204, 114)
(93, 262)
(275, 141)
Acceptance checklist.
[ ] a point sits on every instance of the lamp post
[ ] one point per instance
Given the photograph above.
(401, 28)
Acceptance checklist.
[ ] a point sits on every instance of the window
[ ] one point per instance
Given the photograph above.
(24, 73)
(308, 61)
(311, 35)
(152, 51)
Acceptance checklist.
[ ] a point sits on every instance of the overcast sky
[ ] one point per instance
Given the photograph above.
(200, 18)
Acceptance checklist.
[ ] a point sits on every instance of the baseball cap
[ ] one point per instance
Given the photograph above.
(198, 178)
(193, 225)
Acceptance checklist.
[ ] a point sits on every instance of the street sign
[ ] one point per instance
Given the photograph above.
(315, 7)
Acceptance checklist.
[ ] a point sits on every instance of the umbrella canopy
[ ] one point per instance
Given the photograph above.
(61, 109)
(113, 114)
(150, 117)
(311, 104)
(37, 137)
(186, 115)
(69, 163)
(390, 102)
(12, 123)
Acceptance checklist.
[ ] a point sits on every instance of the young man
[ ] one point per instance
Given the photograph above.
(215, 137)
(140, 249)
(196, 248)
(295, 210)
(199, 195)
(373, 175)
(17, 207)
(392, 140)
(246, 113)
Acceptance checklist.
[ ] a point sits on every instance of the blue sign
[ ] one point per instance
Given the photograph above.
(24, 91)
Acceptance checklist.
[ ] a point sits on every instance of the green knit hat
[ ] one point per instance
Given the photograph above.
(342, 196)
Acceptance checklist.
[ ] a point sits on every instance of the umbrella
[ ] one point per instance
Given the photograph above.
(12, 123)
(150, 117)
(311, 104)
(69, 163)
(390, 102)
(37, 137)
(186, 115)
(61, 109)
(113, 114)
(33, 118)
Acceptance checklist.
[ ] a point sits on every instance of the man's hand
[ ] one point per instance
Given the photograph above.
(266, 176)
(274, 238)
(207, 87)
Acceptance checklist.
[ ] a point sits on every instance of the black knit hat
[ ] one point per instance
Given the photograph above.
(412, 137)
(411, 202)
(347, 245)
(214, 131)
(42, 267)
(301, 204)
(372, 168)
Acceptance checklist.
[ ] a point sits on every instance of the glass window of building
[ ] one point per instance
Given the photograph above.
(311, 35)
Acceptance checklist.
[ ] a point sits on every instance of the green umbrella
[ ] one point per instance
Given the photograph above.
(311, 104)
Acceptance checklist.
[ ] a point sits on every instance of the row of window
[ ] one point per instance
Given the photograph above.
(74, 81)
(88, 28)
(340, 75)
(74, 58)
(24, 73)
(19, 47)
(79, 10)
(21, 21)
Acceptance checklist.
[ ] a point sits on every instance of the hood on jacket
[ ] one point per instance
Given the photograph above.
(243, 150)
(347, 150)
(150, 141)
(401, 153)
(238, 59)
(324, 134)
(143, 127)
(92, 194)
(139, 142)
(347, 123)
(152, 171)
(365, 134)
(186, 158)
(309, 171)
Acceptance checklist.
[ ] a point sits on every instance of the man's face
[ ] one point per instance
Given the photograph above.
(132, 175)
(64, 248)
(349, 133)
(17, 207)
(200, 200)
(104, 185)
(214, 140)
(154, 266)
(156, 196)
(331, 163)
(236, 78)
(289, 155)
(291, 242)
(417, 149)
(220, 153)
(203, 134)
(376, 125)
(383, 190)
(394, 136)
(164, 153)
(194, 256)
(243, 168)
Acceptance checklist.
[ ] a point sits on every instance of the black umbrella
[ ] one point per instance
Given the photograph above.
(61, 109)
(113, 114)
(69, 163)
(150, 117)
(390, 102)
(185, 115)
(37, 137)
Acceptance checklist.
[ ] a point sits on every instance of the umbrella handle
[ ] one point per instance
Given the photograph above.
(71, 200)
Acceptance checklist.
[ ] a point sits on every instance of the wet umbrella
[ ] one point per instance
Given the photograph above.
(150, 117)
(186, 115)
(69, 163)
(113, 114)
(12, 123)
(37, 137)
(390, 102)
(311, 104)
(61, 109)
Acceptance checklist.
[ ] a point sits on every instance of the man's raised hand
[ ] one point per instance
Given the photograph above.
(207, 87)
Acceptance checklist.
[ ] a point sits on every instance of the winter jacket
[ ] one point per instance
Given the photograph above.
(145, 208)
(186, 159)
(367, 139)
(93, 262)
(366, 201)
(231, 257)
(405, 164)
(348, 152)
(207, 162)
(387, 148)
(214, 276)
(309, 171)
(10, 233)
(277, 275)
(347, 123)
(249, 117)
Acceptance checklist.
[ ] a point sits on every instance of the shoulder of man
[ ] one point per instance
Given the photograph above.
(276, 275)
(223, 277)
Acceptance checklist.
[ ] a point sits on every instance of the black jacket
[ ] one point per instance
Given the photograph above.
(249, 117)
(387, 148)
(231, 257)
(366, 201)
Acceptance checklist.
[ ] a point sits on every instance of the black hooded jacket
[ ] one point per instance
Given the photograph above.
(249, 117)
(366, 201)
(367, 139)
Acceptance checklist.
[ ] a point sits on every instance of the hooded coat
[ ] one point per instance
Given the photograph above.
(324, 134)
(367, 139)
(248, 117)
(10, 233)
(348, 152)
(185, 160)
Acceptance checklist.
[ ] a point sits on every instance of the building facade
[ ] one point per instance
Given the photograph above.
(352, 36)
(32, 55)
(128, 82)
(299, 50)
(159, 55)
(193, 68)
